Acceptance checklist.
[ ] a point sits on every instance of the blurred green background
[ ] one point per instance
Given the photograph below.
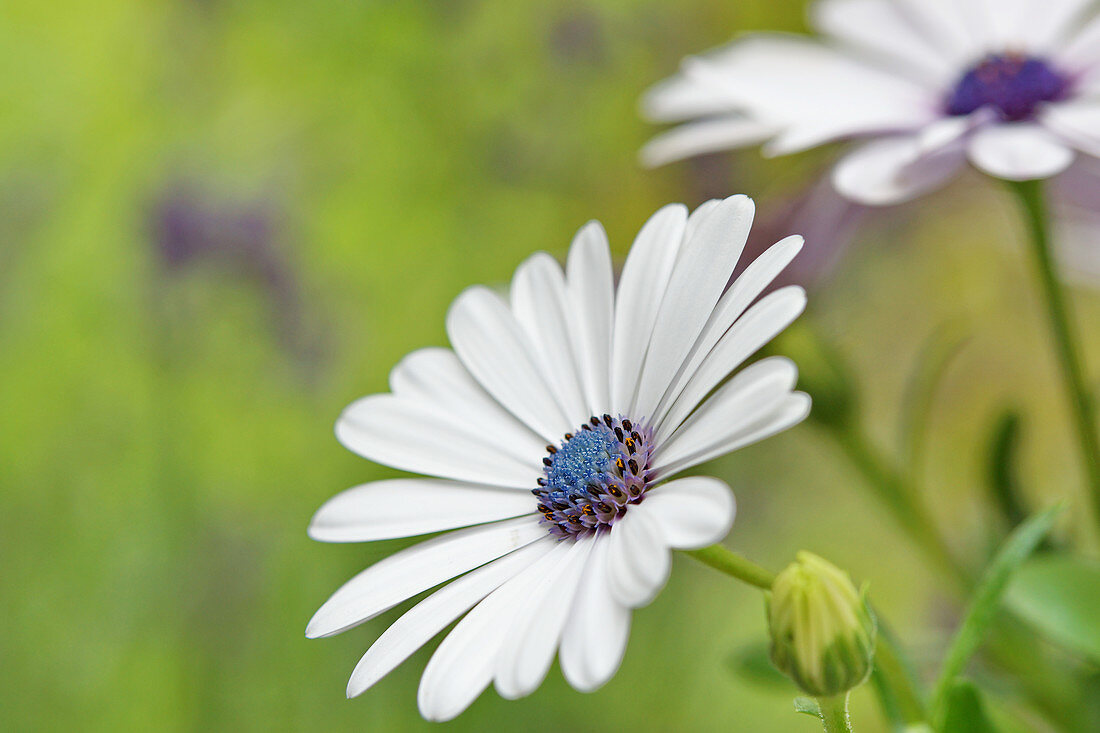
(221, 222)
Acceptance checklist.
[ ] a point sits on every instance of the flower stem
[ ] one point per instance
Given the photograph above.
(1029, 195)
(834, 713)
(725, 560)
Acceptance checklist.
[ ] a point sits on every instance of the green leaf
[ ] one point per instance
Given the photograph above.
(807, 706)
(1060, 596)
(965, 712)
(985, 601)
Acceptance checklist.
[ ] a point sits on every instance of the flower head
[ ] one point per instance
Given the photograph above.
(823, 631)
(923, 84)
(549, 434)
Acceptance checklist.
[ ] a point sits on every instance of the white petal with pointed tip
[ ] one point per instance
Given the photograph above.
(463, 664)
(703, 268)
(418, 568)
(494, 348)
(538, 302)
(433, 614)
(638, 299)
(596, 633)
(748, 334)
(540, 618)
(1019, 151)
(692, 512)
(384, 510)
(638, 559)
(590, 303)
(436, 378)
(705, 136)
(413, 437)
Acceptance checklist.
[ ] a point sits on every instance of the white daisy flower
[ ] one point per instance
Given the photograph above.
(1013, 85)
(548, 432)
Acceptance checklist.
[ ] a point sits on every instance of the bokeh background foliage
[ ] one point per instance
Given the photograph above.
(221, 221)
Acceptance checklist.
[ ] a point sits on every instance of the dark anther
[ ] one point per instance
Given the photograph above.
(607, 420)
(595, 421)
(551, 449)
(614, 491)
(586, 426)
(630, 445)
(569, 436)
(543, 508)
(546, 461)
(541, 481)
(574, 520)
(634, 434)
(628, 426)
(587, 509)
(619, 465)
(619, 434)
(561, 506)
(634, 490)
(633, 466)
(604, 507)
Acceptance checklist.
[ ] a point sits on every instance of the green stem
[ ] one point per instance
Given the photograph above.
(726, 561)
(834, 713)
(897, 675)
(1029, 195)
(900, 497)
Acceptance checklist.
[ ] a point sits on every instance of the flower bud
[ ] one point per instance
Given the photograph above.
(823, 631)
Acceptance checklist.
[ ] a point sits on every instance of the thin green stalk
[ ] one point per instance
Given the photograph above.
(1029, 195)
(834, 713)
(729, 562)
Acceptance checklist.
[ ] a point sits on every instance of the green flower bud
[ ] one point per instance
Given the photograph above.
(823, 631)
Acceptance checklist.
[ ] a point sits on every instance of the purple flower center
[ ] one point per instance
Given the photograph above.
(594, 476)
(1012, 84)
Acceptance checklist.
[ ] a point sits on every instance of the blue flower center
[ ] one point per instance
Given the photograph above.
(1012, 84)
(594, 475)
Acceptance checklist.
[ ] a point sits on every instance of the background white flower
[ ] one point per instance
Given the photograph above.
(566, 524)
(1013, 85)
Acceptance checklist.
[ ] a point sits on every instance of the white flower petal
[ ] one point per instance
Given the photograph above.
(703, 268)
(1078, 123)
(1082, 52)
(597, 629)
(750, 396)
(540, 618)
(638, 560)
(811, 91)
(435, 377)
(877, 28)
(418, 568)
(747, 335)
(1018, 151)
(495, 350)
(538, 302)
(692, 512)
(384, 510)
(793, 410)
(746, 288)
(463, 664)
(893, 169)
(433, 614)
(414, 437)
(1030, 25)
(680, 98)
(947, 25)
(591, 304)
(641, 288)
(705, 136)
